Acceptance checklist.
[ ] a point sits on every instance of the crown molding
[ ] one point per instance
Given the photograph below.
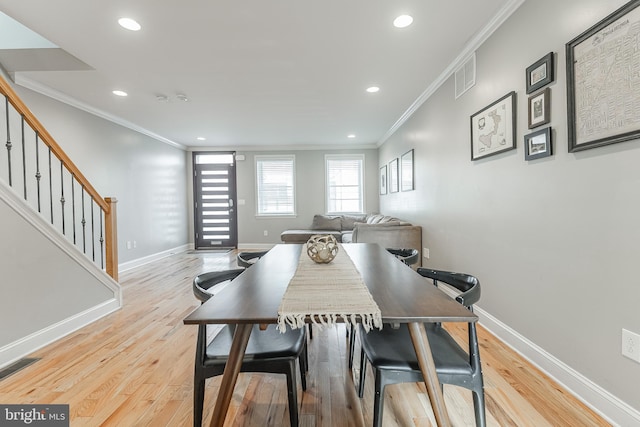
(477, 41)
(242, 148)
(59, 96)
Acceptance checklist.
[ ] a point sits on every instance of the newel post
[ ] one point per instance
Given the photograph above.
(111, 238)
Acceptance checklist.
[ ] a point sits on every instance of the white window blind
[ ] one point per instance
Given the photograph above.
(345, 192)
(275, 177)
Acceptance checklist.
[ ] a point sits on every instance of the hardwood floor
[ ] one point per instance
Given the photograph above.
(135, 368)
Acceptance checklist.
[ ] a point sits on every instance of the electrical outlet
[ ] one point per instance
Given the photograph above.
(266, 232)
(631, 345)
(128, 244)
(425, 252)
(135, 244)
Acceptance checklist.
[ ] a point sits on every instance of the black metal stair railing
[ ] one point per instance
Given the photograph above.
(87, 220)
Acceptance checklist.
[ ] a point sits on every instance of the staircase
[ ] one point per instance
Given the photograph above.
(35, 166)
(58, 238)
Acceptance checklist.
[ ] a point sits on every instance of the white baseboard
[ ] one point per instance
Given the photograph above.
(27, 345)
(611, 408)
(154, 257)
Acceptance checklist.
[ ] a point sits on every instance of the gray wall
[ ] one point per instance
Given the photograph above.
(310, 193)
(38, 280)
(553, 241)
(147, 177)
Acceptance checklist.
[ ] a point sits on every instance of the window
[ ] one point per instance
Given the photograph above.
(345, 192)
(275, 185)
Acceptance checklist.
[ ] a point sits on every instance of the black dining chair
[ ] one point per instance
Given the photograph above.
(393, 359)
(407, 256)
(247, 259)
(268, 351)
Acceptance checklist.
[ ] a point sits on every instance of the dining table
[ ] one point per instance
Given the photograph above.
(402, 295)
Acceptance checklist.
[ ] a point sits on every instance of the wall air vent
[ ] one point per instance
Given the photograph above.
(466, 75)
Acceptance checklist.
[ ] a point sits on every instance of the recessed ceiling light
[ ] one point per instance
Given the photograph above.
(351, 136)
(129, 24)
(373, 89)
(402, 21)
(201, 138)
(119, 93)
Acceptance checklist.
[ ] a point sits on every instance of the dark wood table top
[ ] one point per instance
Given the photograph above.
(402, 295)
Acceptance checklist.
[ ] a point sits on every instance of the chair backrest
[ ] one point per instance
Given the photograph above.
(408, 256)
(203, 283)
(246, 259)
(468, 285)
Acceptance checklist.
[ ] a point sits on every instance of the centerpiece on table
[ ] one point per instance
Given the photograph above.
(322, 248)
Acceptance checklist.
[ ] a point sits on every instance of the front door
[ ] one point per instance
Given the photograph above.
(214, 185)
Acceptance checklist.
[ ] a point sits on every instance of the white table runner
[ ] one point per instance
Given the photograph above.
(327, 292)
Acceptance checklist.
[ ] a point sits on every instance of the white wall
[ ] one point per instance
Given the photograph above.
(48, 287)
(146, 176)
(38, 280)
(553, 241)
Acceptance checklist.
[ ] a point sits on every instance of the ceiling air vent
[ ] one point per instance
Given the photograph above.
(466, 75)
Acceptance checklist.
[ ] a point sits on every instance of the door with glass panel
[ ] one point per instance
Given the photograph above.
(214, 185)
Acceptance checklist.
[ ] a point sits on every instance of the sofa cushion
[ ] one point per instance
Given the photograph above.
(347, 236)
(393, 223)
(326, 222)
(301, 236)
(347, 222)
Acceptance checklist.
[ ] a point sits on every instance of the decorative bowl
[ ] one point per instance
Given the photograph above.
(322, 248)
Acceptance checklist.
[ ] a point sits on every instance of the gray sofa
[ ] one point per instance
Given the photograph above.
(387, 231)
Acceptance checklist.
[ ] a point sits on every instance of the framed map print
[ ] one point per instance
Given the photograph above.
(493, 128)
(603, 81)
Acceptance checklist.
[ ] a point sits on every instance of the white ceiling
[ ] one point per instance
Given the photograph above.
(257, 73)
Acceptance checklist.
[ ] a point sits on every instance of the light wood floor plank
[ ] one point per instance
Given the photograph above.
(135, 368)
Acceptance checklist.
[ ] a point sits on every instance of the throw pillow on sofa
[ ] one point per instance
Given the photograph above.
(380, 219)
(326, 222)
(349, 221)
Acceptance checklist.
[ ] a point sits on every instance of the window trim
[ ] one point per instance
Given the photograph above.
(359, 157)
(272, 157)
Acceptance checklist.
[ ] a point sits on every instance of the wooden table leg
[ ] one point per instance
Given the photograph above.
(231, 371)
(427, 366)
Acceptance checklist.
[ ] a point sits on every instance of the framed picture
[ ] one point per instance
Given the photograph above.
(537, 144)
(603, 82)
(493, 128)
(383, 179)
(539, 106)
(540, 73)
(393, 176)
(406, 165)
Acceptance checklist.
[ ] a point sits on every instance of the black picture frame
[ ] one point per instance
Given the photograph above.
(538, 144)
(540, 73)
(539, 108)
(406, 171)
(490, 137)
(383, 180)
(603, 82)
(393, 176)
